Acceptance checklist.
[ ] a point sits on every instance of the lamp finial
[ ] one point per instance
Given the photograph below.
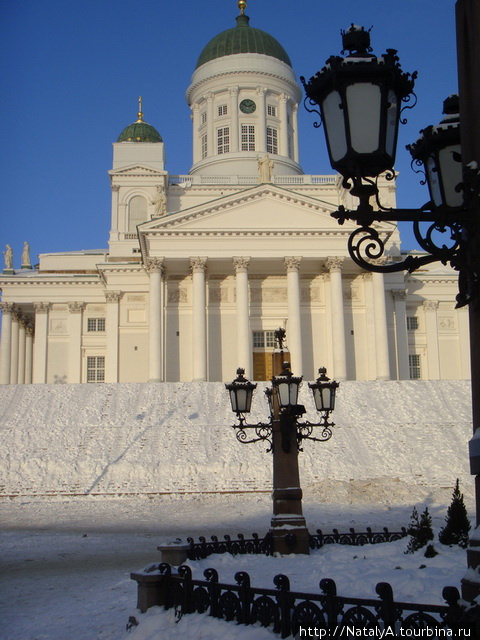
(242, 5)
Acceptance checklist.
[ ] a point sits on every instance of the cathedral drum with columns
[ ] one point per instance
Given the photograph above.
(202, 268)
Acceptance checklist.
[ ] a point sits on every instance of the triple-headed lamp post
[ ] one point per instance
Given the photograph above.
(359, 100)
(284, 434)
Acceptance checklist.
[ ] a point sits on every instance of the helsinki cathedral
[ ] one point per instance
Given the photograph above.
(202, 268)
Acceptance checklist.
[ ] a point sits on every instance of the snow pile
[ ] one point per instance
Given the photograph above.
(175, 438)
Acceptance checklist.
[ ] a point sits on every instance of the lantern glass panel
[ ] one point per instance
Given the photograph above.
(283, 394)
(333, 117)
(328, 398)
(392, 123)
(364, 101)
(451, 175)
(434, 181)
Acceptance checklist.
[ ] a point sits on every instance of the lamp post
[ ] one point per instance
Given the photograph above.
(358, 99)
(284, 434)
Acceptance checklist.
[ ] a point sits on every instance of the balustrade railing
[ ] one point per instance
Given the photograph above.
(241, 545)
(290, 180)
(327, 614)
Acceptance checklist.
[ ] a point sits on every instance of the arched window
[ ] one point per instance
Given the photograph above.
(137, 212)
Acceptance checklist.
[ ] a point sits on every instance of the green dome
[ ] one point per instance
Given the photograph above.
(139, 131)
(243, 39)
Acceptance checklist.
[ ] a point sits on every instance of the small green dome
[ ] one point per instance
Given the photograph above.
(140, 131)
(242, 39)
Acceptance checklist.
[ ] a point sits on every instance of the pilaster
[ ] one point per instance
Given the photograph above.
(334, 266)
(430, 308)
(112, 299)
(41, 342)
(155, 269)
(400, 303)
(6, 350)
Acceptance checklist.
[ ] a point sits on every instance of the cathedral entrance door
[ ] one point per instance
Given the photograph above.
(262, 365)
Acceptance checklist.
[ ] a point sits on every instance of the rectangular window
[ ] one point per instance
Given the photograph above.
(263, 339)
(412, 323)
(271, 110)
(414, 366)
(272, 140)
(223, 140)
(204, 146)
(222, 110)
(248, 137)
(96, 324)
(95, 368)
(203, 117)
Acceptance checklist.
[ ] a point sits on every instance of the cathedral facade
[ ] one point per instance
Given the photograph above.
(202, 268)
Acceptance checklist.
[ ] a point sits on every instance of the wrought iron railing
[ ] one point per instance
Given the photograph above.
(241, 545)
(287, 612)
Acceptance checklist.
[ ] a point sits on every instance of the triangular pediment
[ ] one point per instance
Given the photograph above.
(136, 170)
(265, 208)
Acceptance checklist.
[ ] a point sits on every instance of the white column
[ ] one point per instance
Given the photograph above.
(111, 328)
(154, 267)
(431, 329)
(196, 135)
(371, 346)
(464, 341)
(75, 318)
(6, 352)
(199, 319)
(262, 121)
(234, 130)
(115, 209)
(21, 350)
(40, 344)
(400, 302)
(334, 266)
(244, 339)
(381, 332)
(296, 154)
(15, 340)
(294, 327)
(283, 151)
(29, 354)
(210, 127)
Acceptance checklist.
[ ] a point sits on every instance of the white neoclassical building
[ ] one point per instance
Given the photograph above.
(202, 268)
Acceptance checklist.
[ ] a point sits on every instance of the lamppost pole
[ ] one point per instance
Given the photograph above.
(468, 60)
(287, 493)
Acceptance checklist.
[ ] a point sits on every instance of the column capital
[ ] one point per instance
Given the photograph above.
(209, 96)
(240, 263)
(17, 316)
(30, 329)
(7, 307)
(430, 305)
(292, 263)
(399, 294)
(195, 107)
(233, 91)
(112, 296)
(334, 263)
(155, 265)
(261, 91)
(76, 307)
(115, 188)
(42, 307)
(283, 98)
(198, 264)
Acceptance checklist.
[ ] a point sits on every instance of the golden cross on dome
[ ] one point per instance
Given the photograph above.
(242, 5)
(140, 112)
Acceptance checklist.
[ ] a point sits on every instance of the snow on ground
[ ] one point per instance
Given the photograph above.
(66, 559)
(66, 562)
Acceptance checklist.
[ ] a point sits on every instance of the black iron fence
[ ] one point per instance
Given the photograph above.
(326, 614)
(241, 545)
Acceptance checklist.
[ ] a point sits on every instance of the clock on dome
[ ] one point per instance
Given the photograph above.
(247, 106)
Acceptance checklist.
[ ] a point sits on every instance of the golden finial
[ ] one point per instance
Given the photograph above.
(140, 112)
(242, 5)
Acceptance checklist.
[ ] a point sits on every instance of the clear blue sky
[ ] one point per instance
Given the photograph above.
(71, 73)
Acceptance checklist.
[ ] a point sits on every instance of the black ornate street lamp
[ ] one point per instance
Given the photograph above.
(359, 99)
(283, 395)
(362, 91)
(284, 434)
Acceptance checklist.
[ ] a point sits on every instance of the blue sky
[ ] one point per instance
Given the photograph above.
(71, 73)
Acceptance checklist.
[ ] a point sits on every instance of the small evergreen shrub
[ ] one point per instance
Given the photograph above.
(457, 524)
(420, 530)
